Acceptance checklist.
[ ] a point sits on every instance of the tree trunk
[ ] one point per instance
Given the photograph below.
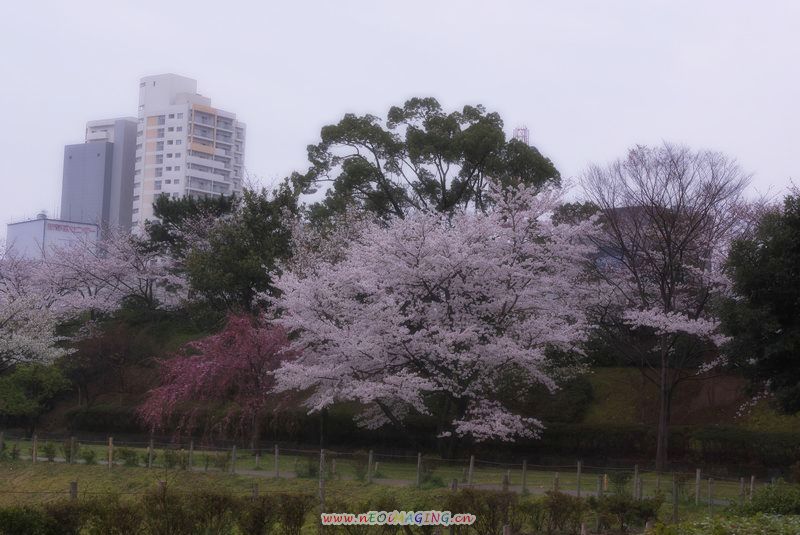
(663, 417)
(323, 428)
(255, 431)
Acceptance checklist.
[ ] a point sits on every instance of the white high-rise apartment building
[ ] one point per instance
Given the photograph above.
(183, 145)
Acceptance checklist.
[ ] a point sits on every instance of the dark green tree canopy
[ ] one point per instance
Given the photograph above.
(764, 319)
(420, 158)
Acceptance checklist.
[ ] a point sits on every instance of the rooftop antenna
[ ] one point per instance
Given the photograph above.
(521, 134)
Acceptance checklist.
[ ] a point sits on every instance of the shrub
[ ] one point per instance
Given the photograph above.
(493, 509)
(563, 512)
(148, 457)
(308, 467)
(756, 525)
(128, 456)
(619, 482)
(165, 514)
(220, 461)
(15, 451)
(27, 520)
(66, 450)
(89, 456)
(49, 451)
(179, 458)
(623, 511)
(778, 499)
(257, 516)
(293, 511)
(112, 517)
(360, 465)
(212, 511)
(66, 517)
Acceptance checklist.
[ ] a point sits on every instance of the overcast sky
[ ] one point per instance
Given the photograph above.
(588, 78)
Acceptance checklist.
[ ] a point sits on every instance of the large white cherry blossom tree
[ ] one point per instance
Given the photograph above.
(430, 313)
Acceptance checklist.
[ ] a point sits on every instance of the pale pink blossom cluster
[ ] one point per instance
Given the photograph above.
(441, 307)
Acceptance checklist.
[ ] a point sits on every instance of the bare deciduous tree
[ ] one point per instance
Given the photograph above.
(668, 213)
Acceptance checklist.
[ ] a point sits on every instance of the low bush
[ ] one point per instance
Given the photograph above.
(27, 520)
(128, 456)
(623, 512)
(89, 456)
(66, 450)
(49, 451)
(564, 512)
(493, 509)
(292, 512)
(734, 525)
(778, 499)
(257, 516)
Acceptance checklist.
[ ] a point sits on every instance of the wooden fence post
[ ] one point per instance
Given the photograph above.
(599, 485)
(555, 482)
(635, 481)
(162, 487)
(233, 459)
(258, 461)
(150, 454)
(752, 486)
(277, 465)
(710, 497)
(578, 480)
(419, 470)
(191, 454)
(73, 490)
(697, 487)
(505, 482)
(2, 441)
(658, 482)
(524, 476)
(369, 467)
(34, 448)
(254, 491)
(506, 530)
(110, 452)
(71, 450)
(454, 485)
(471, 469)
(674, 498)
(741, 491)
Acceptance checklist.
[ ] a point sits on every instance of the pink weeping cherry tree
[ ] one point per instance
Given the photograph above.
(430, 313)
(229, 374)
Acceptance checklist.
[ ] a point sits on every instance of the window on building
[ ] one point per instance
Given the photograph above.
(135, 210)
(178, 142)
(177, 167)
(160, 132)
(169, 168)
(177, 154)
(159, 158)
(180, 116)
(135, 197)
(157, 184)
(179, 129)
(171, 115)
(171, 129)
(138, 159)
(159, 145)
(169, 142)
(159, 171)
(177, 181)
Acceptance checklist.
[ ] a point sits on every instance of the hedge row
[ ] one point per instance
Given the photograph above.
(162, 513)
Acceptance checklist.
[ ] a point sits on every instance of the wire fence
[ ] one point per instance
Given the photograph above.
(421, 471)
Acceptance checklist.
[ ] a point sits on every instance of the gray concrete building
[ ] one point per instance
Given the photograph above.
(97, 184)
